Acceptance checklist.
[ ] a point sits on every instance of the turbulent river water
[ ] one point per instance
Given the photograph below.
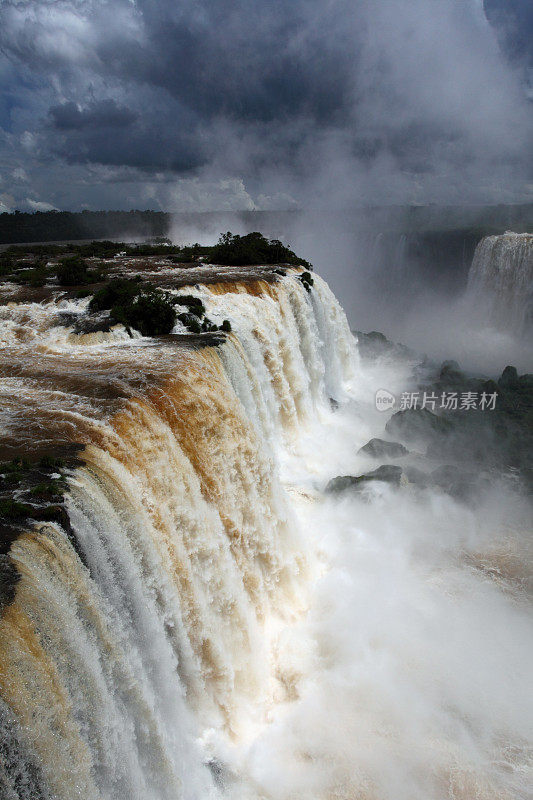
(223, 628)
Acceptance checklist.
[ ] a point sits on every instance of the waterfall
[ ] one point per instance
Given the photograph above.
(500, 282)
(206, 621)
(188, 560)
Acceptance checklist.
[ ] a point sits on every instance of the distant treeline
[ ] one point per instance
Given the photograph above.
(51, 226)
(471, 221)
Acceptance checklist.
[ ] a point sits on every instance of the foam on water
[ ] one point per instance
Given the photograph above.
(225, 629)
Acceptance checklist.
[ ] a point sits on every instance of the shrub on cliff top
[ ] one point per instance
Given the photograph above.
(253, 248)
(151, 313)
(73, 272)
(119, 291)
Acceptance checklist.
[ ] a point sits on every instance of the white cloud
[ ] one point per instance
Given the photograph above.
(39, 205)
(7, 203)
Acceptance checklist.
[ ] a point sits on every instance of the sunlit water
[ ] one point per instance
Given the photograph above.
(233, 631)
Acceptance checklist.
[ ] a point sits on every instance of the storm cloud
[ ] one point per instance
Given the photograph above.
(246, 104)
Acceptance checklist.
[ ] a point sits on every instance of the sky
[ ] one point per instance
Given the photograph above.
(242, 104)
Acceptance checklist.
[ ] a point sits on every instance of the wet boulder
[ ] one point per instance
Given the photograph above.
(94, 323)
(418, 424)
(379, 448)
(451, 376)
(417, 477)
(509, 378)
(458, 483)
(375, 344)
(389, 473)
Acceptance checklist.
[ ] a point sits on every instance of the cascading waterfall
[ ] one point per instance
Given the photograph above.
(500, 282)
(210, 624)
(188, 560)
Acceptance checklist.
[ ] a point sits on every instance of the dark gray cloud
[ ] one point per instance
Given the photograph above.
(104, 132)
(315, 100)
(102, 114)
(513, 22)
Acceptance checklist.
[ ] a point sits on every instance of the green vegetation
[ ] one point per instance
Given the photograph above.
(49, 462)
(13, 510)
(191, 322)
(133, 302)
(48, 226)
(307, 280)
(136, 305)
(194, 304)
(27, 490)
(34, 277)
(253, 248)
(151, 313)
(37, 265)
(118, 292)
(47, 491)
(73, 271)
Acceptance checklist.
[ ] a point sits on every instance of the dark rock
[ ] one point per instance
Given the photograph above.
(375, 344)
(454, 481)
(387, 472)
(379, 448)
(526, 380)
(490, 387)
(508, 378)
(417, 424)
(451, 375)
(9, 578)
(417, 477)
(67, 319)
(93, 323)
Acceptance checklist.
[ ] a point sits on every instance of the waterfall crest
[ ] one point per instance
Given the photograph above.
(188, 562)
(205, 619)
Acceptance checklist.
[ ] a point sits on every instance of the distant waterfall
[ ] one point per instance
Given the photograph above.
(500, 282)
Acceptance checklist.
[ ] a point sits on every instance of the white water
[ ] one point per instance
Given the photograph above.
(500, 282)
(306, 646)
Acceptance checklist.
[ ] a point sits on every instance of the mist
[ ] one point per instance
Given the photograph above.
(407, 677)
